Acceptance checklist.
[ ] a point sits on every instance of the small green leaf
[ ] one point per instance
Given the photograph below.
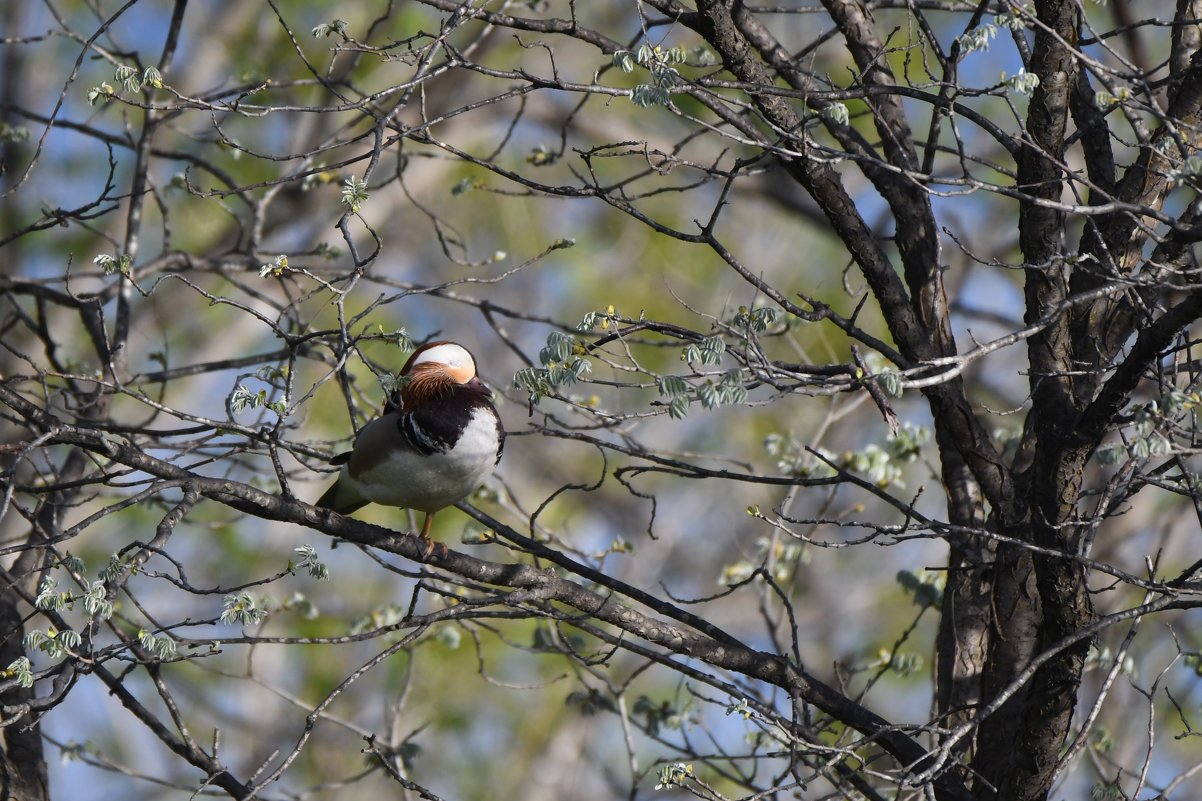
(624, 60)
(672, 385)
(324, 30)
(836, 113)
(891, 381)
(673, 775)
(275, 268)
(242, 399)
(1024, 83)
(97, 92)
(242, 608)
(163, 647)
(977, 39)
(712, 350)
(13, 134)
(128, 78)
(113, 570)
(354, 193)
(96, 601)
(1111, 453)
(678, 409)
(645, 95)
(308, 560)
(22, 670)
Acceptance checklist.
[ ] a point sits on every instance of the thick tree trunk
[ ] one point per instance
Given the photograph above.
(22, 764)
(1039, 598)
(962, 643)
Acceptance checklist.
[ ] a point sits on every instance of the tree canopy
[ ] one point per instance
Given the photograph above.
(846, 351)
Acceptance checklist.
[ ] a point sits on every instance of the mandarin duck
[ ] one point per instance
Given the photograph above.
(437, 441)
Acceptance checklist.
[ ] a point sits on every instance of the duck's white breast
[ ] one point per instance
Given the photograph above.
(409, 479)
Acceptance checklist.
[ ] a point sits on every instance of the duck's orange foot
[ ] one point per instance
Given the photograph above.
(429, 546)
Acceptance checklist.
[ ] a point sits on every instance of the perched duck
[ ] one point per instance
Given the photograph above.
(437, 441)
